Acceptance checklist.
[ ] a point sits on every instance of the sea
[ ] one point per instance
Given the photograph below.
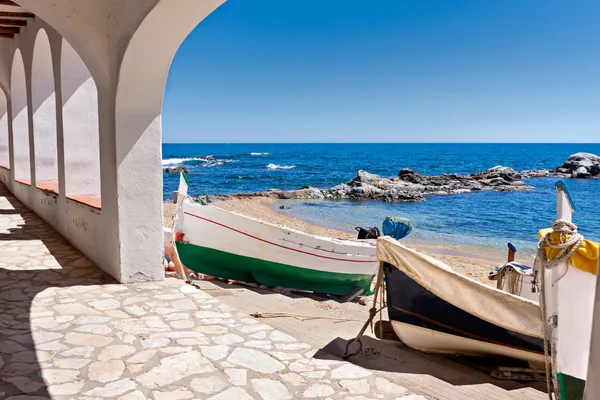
(482, 220)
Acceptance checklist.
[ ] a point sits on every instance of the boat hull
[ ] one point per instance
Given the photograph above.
(428, 323)
(227, 245)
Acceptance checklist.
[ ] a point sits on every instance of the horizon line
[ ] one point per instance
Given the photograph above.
(380, 143)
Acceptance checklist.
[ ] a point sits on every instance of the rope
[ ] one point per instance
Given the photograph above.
(378, 298)
(300, 317)
(569, 242)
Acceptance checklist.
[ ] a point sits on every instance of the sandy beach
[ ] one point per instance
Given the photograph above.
(463, 260)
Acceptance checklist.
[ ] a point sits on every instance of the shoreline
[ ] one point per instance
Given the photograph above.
(475, 263)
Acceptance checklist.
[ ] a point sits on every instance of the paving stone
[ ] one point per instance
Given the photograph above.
(175, 349)
(93, 339)
(135, 368)
(54, 346)
(349, 371)
(91, 320)
(136, 395)
(259, 335)
(157, 340)
(314, 374)
(11, 347)
(70, 363)
(236, 393)
(68, 388)
(116, 351)
(255, 360)
(293, 379)
(299, 367)
(106, 371)
(212, 329)
(25, 384)
(45, 337)
(84, 351)
(355, 386)
(177, 394)
(292, 346)
(113, 389)
(84, 339)
(175, 368)
(208, 385)
(177, 317)
(215, 353)
(75, 309)
(52, 376)
(237, 376)
(182, 324)
(142, 356)
(259, 344)
(108, 304)
(282, 356)
(411, 397)
(318, 390)
(228, 339)
(140, 326)
(96, 329)
(270, 389)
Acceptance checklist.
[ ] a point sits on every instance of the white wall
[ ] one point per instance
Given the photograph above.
(80, 125)
(111, 102)
(4, 159)
(20, 118)
(44, 110)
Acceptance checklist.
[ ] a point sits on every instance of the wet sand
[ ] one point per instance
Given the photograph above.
(475, 264)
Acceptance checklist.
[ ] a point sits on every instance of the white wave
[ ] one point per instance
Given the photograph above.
(214, 163)
(205, 159)
(175, 161)
(259, 154)
(275, 166)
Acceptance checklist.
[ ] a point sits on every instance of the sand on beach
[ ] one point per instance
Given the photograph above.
(474, 265)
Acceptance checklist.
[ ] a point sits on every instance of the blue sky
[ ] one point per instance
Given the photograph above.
(388, 71)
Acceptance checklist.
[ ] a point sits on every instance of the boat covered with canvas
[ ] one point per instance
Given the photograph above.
(224, 244)
(432, 308)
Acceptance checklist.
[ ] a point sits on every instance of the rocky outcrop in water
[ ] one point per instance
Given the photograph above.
(176, 170)
(411, 186)
(581, 166)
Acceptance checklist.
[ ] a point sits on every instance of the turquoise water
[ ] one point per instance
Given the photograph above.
(487, 219)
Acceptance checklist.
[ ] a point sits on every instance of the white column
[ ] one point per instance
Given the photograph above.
(44, 113)
(20, 122)
(142, 78)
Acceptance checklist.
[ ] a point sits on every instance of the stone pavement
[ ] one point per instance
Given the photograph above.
(68, 331)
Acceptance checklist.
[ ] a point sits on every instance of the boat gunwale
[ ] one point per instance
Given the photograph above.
(366, 243)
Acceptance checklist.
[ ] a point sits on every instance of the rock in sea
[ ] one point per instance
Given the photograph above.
(580, 165)
(176, 170)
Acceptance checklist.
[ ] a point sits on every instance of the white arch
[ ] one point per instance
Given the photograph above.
(4, 155)
(44, 113)
(140, 90)
(80, 128)
(18, 95)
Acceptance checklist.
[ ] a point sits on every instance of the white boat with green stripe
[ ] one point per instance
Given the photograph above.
(227, 245)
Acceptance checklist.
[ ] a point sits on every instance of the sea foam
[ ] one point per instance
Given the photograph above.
(275, 166)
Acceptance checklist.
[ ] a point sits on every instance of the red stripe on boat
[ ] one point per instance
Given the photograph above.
(275, 244)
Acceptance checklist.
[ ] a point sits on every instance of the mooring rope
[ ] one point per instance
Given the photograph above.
(569, 242)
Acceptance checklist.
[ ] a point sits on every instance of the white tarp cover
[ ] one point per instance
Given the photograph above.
(490, 304)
